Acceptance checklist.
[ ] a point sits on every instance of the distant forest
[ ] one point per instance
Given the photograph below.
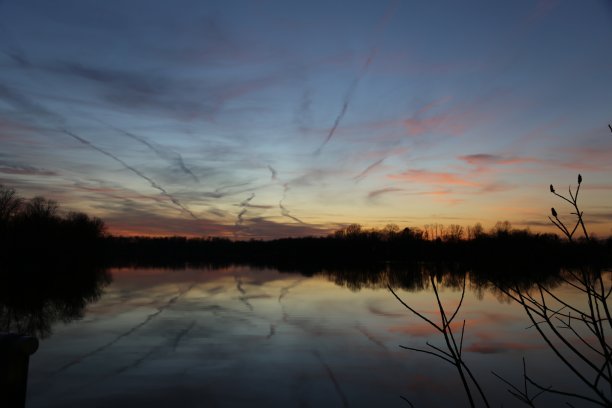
(34, 230)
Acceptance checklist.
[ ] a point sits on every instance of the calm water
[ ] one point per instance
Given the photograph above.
(243, 336)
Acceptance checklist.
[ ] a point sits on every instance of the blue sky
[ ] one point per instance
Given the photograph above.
(282, 118)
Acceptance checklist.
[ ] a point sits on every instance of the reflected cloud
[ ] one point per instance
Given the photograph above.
(500, 347)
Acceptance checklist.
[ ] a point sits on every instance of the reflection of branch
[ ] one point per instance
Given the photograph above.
(571, 344)
(453, 352)
(522, 395)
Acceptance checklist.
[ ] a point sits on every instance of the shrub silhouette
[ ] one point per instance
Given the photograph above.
(34, 230)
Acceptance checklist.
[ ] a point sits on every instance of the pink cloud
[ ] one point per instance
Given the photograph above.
(422, 329)
(483, 159)
(588, 158)
(419, 126)
(420, 382)
(497, 187)
(493, 347)
(455, 119)
(432, 177)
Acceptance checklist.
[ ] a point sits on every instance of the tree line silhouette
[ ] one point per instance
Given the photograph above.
(35, 230)
(355, 245)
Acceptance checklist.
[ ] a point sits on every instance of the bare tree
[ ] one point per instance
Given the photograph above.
(10, 203)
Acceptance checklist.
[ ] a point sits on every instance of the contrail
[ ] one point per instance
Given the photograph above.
(246, 202)
(284, 210)
(135, 171)
(239, 219)
(285, 290)
(364, 173)
(349, 94)
(332, 377)
(126, 333)
(243, 204)
(273, 172)
(285, 213)
(168, 155)
(345, 103)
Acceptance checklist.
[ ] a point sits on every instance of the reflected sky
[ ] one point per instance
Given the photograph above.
(241, 335)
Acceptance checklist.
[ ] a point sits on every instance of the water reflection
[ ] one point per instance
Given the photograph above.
(237, 335)
(34, 298)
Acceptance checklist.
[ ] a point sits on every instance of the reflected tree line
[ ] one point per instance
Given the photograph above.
(49, 256)
(53, 264)
(50, 264)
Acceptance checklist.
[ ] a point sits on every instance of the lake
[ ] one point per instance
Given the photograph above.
(239, 335)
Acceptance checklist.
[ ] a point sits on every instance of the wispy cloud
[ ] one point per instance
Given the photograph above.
(167, 154)
(392, 7)
(135, 171)
(273, 172)
(484, 159)
(240, 217)
(368, 169)
(386, 190)
(24, 105)
(134, 221)
(431, 177)
(24, 170)
(284, 211)
(261, 227)
(345, 104)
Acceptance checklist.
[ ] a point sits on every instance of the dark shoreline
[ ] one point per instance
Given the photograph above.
(512, 249)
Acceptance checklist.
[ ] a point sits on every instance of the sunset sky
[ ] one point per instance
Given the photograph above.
(264, 119)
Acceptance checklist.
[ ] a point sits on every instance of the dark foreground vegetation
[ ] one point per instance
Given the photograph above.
(51, 265)
(33, 231)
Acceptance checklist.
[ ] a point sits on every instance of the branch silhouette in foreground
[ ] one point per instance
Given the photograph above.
(453, 353)
(577, 331)
(573, 201)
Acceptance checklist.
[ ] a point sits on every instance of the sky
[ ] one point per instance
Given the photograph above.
(266, 119)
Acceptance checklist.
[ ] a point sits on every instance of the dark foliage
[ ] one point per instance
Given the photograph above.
(34, 232)
(50, 265)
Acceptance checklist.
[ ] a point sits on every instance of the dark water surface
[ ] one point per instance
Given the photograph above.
(246, 336)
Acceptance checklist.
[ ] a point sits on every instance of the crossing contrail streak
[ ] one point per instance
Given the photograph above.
(351, 89)
(135, 171)
(345, 105)
(273, 172)
(284, 210)
(364, 173)
(162, 153)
